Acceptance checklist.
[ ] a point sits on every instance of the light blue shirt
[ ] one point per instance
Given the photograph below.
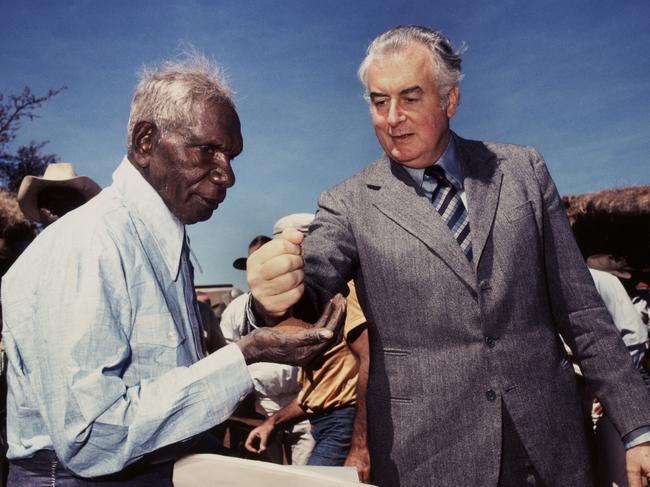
(103, 339)
(450, 163)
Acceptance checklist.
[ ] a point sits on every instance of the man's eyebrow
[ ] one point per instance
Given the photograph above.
(375, 94)
(410, 90)
(405, 91)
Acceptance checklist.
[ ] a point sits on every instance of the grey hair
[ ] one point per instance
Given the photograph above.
(166, 96)
(446, 59)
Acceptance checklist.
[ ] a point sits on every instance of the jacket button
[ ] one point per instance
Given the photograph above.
(491, 395)
(490, 342)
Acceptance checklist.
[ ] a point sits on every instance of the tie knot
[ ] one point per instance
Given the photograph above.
(437, 173)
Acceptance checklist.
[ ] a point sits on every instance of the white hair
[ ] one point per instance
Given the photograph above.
(446, 59)
(166, 96)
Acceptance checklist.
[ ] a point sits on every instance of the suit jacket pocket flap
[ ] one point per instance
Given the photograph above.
(395, 352)
(519, 212)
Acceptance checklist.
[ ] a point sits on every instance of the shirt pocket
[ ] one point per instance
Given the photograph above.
(156, 341)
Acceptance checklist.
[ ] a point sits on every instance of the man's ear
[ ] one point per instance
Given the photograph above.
(452, 103)
(143, 139)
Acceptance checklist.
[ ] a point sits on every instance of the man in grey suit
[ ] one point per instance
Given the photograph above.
(467, 269)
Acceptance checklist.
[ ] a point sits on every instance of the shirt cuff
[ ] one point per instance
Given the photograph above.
(636, 437)
(225, 394)
(250, 313)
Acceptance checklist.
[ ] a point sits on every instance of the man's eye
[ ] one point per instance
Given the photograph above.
(411, 100)
(208, 150)
(380, 103)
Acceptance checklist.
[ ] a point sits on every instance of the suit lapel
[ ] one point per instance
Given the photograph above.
(394, 194)
(482, 181)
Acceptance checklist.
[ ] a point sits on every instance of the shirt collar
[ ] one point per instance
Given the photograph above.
(448, 161)
(164, 228)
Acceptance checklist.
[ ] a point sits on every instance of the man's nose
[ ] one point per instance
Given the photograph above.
(222, 174)
(395, 115)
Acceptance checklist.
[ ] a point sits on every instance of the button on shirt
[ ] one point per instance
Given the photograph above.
(105, 358)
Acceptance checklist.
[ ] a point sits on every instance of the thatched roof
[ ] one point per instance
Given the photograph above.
(613, 221)
(623, 202)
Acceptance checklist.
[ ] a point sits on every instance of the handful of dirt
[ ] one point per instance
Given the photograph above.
(292, 325)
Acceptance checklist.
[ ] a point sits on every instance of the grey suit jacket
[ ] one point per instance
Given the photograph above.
(453, 342)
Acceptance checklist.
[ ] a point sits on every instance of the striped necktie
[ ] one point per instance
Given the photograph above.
(448, 203)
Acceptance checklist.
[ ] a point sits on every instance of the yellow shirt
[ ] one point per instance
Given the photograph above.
(330, 381)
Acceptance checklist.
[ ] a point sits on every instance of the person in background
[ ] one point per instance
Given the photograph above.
(108, 379)
(275, 385)
(610, 450)
(333, 398)
(641, 301)
(625, 317)
(259, 240)
(46, 199)
(214, 339)
(16, 231)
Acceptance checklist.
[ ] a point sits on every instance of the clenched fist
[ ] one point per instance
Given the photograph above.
(275, 274)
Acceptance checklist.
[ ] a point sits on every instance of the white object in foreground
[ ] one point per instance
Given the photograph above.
(205, 470)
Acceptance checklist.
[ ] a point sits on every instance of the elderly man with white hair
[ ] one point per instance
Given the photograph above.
(108, 377)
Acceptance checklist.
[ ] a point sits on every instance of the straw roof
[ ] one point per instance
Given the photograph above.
(613, 221)
(629, 202)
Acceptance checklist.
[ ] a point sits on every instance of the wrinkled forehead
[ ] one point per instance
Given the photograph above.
(215, 112)
(400, 69)
(213, 120)
(412, 54)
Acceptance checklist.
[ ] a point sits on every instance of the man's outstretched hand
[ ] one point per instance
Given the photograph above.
(292, 341)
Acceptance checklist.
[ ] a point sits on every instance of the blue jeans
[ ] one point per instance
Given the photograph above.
(333, 433)
(45, 470)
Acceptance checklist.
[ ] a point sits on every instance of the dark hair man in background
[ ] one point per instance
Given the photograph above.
(240, 262)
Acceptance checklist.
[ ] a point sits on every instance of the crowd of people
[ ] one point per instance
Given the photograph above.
(475, 347)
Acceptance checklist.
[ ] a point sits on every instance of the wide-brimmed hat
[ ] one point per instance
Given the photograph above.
(58, 174)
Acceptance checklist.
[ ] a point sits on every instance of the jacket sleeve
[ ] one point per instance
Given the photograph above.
(330, 254)
(581, 316)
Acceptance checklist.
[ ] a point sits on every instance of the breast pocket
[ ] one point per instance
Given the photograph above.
(156, 341)
(519, 212)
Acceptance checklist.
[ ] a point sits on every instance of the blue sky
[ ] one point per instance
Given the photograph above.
(569, 77)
